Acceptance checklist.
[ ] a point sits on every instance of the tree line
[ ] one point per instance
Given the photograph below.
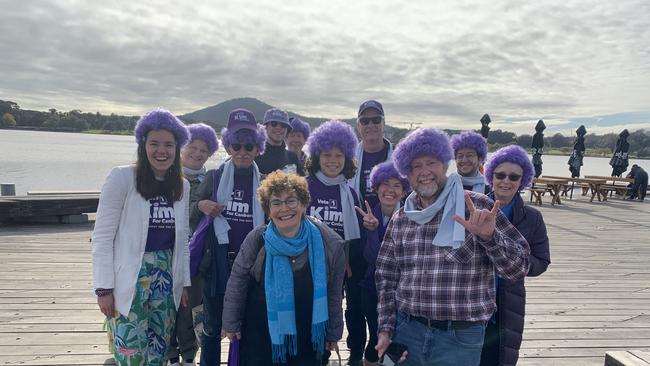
(76, 121)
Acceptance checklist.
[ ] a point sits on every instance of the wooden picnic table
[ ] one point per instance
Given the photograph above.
(592, 185)
(554, 186)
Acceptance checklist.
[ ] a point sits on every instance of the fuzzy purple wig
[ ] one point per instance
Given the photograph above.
(470, 140)
(510, 154)
(333, 134)
(383, 172)
(298, 125)
(161, 119)
(245, 136)
(201, 131)
(422, 142)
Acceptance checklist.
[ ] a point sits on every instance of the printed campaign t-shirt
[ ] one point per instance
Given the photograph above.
(239, 210)
(370, 160)
(326, 204)
(162, 225)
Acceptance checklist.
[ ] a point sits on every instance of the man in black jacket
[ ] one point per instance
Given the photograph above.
(276, 156)
(640, 185)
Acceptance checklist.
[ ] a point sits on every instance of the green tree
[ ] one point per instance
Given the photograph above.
(8, 120)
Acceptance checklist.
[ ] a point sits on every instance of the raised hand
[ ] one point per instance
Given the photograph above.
(480, 222)
(370, 222)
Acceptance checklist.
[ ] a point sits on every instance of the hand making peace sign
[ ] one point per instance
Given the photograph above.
(370, 222)
(480, 222)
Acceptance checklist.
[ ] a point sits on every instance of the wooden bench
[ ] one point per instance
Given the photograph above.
(537, 193)
(627, 358)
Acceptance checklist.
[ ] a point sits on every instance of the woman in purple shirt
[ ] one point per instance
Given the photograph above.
(330, 165)
(390, 189)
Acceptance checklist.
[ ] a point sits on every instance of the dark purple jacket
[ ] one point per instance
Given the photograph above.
(370, 243)
(511, 295)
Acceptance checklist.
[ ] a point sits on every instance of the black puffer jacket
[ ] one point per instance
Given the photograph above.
(511, 295)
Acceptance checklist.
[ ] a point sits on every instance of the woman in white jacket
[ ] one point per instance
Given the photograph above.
(140, 253)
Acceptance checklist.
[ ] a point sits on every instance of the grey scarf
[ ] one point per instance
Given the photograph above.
(477, 182)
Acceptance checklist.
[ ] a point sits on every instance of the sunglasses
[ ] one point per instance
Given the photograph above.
(512, 177)
(276, 123)
(247, 147)
(375, 120)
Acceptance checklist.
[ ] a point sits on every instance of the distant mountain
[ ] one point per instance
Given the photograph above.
(217, 114)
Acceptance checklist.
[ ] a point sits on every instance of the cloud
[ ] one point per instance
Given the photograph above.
(443, 64)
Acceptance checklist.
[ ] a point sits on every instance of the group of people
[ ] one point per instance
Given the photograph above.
(431, 264)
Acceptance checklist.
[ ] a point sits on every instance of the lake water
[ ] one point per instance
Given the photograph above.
(35, 160)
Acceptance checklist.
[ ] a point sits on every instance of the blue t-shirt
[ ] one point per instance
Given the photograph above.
(370, 160)
(326, 204)
(162, 225)
(239, 210)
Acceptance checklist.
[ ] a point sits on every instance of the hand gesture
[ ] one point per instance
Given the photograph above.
(481, 222)
(370, 222)
(210, 208)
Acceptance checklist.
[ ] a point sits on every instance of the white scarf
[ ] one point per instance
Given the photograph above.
(477, 182)
(224, 195)
(452, 201)
(350, 222)
(355, 182)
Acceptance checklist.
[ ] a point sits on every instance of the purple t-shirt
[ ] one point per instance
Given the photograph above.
(326, 204)
(162, 225)
(369, 161)
(239, 210)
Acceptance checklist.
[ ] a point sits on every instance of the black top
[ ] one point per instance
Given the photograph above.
(277, 158)
(256, 341)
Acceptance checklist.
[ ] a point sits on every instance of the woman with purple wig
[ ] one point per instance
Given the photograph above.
(139, 244)
(228, 211)
(390, 189)
(330, 165)
(297, 137)
(203, 144)
(509, 171)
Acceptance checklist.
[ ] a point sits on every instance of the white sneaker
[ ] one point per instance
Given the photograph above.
(189, 363)
(174, 364)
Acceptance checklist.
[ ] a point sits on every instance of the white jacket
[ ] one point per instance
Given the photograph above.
(120, 238)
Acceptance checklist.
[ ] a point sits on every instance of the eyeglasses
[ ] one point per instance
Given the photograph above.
(466, 156)
(291, 202)
(512, 176)
(247, 147)
(276, 123)
(366, 120)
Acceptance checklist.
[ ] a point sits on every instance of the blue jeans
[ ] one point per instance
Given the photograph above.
(430, 346)
(211, 338)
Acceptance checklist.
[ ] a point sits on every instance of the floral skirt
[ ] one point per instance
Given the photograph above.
(142, 337)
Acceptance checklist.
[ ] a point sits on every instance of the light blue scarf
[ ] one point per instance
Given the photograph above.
(278, 285)
(477, 182)
(452, 201)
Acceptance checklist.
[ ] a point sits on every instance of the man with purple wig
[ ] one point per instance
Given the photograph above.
(436, 265)
(276, 156)
(470, 151)
(373, 149)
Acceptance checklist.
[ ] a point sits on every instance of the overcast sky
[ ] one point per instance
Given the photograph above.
(442, 63)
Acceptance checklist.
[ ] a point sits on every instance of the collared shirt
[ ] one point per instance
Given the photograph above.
(438, 283)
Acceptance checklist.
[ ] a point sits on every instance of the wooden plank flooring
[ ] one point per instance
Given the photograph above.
(594, 298)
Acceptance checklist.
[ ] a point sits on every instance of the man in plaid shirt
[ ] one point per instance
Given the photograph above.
(437, 264)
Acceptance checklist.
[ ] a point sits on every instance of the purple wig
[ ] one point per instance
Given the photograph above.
(161, 119)
(470, 140)
(245, 136)
(383, 172)
(333, 134)
(201, 131)
(510, 154)
(422, 142)
(298, 125)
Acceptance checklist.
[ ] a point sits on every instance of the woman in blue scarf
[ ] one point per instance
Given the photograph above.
(283, 298)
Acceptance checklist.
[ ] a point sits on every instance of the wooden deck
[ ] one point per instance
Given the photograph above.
(594, 298)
